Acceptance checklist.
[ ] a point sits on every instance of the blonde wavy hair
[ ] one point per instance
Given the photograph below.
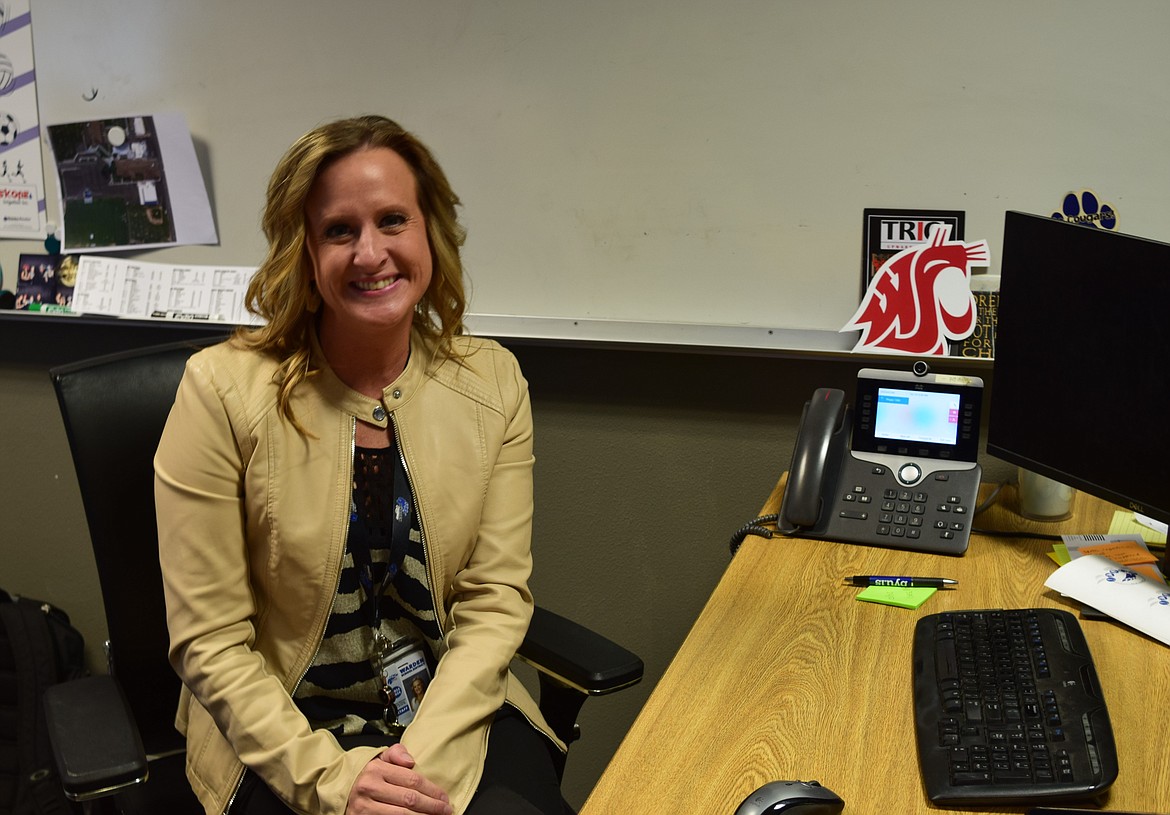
(281, 292)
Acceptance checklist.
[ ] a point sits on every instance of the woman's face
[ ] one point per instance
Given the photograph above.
(367, 242)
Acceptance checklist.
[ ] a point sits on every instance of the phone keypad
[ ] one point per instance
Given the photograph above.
(873, 507)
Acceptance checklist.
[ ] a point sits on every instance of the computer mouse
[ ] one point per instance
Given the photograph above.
(792, 798)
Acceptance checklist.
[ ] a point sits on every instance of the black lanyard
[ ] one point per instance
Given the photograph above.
(401, 509)
(400, 527)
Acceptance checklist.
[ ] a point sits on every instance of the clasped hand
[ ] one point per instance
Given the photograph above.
(388, 785)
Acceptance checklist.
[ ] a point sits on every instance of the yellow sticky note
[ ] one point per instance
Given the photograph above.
(892, 596)
(1124, 523)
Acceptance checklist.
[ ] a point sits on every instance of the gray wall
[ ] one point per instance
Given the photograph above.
(647, 462)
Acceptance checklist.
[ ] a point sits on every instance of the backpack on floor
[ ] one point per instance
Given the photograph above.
(38, 648)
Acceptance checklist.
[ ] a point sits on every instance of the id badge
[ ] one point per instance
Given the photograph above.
(406, 677)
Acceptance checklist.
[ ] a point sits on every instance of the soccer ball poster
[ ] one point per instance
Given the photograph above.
(22, 189)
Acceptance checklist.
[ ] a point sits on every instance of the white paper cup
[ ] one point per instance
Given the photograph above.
(1043, 499)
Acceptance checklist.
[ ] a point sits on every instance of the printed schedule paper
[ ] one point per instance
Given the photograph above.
(137, 289)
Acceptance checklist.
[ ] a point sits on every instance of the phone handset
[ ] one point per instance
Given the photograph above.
(815, 460)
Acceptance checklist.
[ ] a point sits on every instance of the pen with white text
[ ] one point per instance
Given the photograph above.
(896, 581)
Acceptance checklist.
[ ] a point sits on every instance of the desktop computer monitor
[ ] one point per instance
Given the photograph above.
(1081, 379)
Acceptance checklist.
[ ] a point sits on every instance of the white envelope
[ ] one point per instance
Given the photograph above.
(1120, 592)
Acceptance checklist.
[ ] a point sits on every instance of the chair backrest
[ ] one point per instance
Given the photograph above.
(114, 408)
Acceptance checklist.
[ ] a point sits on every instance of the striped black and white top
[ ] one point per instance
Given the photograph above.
(339, 692)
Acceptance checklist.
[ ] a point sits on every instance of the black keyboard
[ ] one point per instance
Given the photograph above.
(1008, 709)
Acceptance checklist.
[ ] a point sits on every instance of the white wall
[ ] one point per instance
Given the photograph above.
(682, 161)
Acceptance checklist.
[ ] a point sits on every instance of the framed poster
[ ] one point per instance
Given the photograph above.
(888, 231)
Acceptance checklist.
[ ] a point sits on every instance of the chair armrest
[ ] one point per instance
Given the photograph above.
(95, 741)
(576, 656)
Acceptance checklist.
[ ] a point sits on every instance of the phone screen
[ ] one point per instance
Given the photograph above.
(927, 417)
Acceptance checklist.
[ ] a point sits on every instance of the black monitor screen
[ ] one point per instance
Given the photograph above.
(1081, 386)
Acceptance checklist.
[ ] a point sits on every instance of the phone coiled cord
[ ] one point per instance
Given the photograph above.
(753, 527)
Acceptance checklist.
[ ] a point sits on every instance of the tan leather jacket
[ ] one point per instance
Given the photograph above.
(252, 527)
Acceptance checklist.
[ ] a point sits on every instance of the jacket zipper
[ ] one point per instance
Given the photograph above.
(235, 791)
(422, 530)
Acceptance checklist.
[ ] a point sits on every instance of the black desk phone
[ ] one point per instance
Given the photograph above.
(899, 469)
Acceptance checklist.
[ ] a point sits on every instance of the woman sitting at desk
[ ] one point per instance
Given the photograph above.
(352, 475)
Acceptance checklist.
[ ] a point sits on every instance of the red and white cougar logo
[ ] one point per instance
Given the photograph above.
(920, 298)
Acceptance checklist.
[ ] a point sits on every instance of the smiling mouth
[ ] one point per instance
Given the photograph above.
(374, 285)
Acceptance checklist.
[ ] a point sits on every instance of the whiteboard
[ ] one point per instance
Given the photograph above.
(633, 162)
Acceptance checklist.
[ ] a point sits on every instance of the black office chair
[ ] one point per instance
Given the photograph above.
(114, 408)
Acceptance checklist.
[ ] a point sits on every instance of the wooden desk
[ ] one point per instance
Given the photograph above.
(786, 676)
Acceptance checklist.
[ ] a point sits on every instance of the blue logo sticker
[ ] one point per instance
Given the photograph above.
(1085, 209)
